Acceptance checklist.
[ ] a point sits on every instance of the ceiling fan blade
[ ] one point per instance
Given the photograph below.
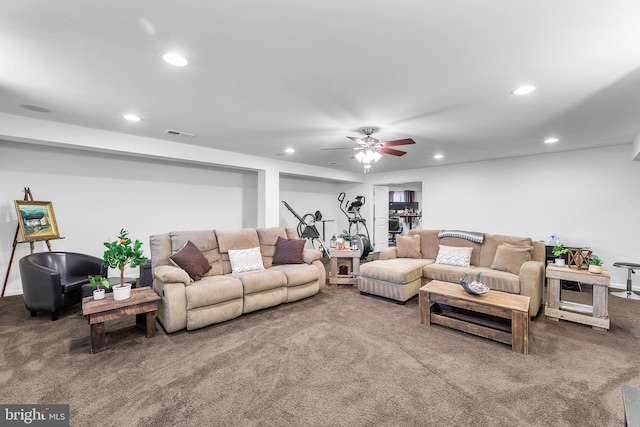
(393, 152)
(357, 140)
(343, 148)
(395, 142)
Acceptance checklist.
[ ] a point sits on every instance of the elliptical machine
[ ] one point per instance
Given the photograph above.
(352, 212)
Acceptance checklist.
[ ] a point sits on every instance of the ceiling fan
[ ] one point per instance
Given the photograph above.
(371, 149)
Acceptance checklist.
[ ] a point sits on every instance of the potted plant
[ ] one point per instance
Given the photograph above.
(558, 251)
(345, 238)
(96, 282)
(120, 254)
(595, 264)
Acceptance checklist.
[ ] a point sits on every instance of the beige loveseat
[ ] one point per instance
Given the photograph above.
(220, 295)
(507, 263)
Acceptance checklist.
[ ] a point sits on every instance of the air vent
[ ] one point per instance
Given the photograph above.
(177, 132)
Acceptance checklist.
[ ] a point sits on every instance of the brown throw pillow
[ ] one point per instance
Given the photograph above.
(191, 260)
(289, 251)
(408, 246)
(510, 258)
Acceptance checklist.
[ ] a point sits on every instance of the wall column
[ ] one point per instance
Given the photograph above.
(268, 198)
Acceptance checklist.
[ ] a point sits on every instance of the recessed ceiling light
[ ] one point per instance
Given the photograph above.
(289, 150)
(132, 117)
(438, 156)
(551, 140)
(175, 59)
(523, 90)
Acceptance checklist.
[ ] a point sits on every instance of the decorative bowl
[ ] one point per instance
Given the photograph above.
(475, 287)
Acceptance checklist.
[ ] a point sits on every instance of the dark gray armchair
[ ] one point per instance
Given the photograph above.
(53, 280)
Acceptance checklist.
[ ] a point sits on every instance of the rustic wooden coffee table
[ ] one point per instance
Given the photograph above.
(495, 305)
(143, 303)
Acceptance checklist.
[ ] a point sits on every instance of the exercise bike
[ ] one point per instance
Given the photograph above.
(352, 212)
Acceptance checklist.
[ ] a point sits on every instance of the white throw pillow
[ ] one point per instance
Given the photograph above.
(451, 255)
(245, 260)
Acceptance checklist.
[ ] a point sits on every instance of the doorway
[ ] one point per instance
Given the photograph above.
(397, 210)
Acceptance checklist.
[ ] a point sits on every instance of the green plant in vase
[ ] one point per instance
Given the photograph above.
(345, 235)
(595, 264)
(97, 281)
(123, 253)
(559, 250)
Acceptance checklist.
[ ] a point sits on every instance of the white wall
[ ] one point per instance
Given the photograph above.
(96, 194)
(586, 197)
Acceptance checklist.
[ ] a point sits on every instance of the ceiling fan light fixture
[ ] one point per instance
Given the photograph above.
(359, 156)
(376, 156)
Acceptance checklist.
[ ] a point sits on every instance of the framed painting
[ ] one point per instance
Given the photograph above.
(37, 220)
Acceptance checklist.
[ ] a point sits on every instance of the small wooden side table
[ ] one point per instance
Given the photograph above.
(143, 303)
(595, 315)
(342, 279)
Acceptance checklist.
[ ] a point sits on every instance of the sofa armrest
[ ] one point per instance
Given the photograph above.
(389, 253)
(310, 255)
(532, 284)
(171, 274)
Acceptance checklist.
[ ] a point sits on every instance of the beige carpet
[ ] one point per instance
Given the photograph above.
(335, 359)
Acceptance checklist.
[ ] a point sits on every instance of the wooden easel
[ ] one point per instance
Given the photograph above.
(27, 197)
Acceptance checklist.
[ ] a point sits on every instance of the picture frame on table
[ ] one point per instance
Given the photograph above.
(37, 220)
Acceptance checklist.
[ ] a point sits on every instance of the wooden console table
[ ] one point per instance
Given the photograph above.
(595, 315)
(143, 303)
(342, 279)
(497, 304)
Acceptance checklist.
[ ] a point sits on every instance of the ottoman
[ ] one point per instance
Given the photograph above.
(399, 279)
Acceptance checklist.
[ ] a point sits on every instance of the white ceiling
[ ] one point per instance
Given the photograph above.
(266, 75)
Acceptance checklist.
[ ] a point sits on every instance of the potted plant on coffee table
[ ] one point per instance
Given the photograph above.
(558, 251)
(595, 264)
(96, 282)
(121, 254)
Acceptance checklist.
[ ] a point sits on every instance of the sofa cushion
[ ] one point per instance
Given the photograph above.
(204, 240)
(444, 272)
(298, 274)
(289, 251)
(213, 290)
(458, 256)
(245, 260)
(397, 270)
(244, 238)
(428, 242)
(261, 280)
(268, 238)
(490, 246)
(408, 246)
(171, 274)
(191, 260)
(457, 242)
(510, 258)
(498, 280)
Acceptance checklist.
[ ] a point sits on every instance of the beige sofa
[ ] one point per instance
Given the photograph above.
(507, 263)
(220, 295)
